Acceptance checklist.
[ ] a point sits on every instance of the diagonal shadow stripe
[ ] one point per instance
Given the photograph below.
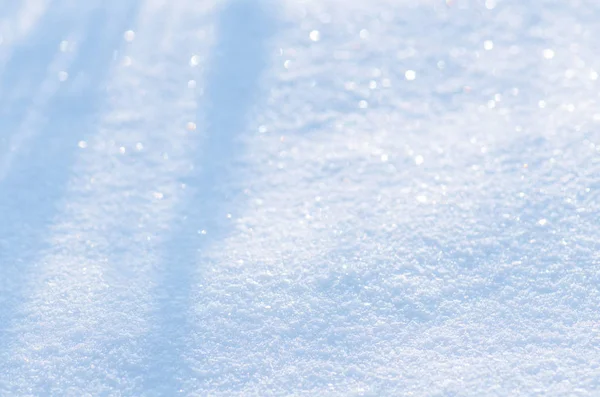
(37, 179)
(232, 81)
(28, 60)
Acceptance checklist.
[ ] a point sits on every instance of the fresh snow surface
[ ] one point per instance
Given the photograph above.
(299, 197)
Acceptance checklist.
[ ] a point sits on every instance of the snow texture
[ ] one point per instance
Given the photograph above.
(317, 197)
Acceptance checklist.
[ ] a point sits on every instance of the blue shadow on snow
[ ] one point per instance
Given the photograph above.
(233, 79)
(35, 183)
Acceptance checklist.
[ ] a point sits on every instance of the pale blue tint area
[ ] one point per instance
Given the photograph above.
(345, 198)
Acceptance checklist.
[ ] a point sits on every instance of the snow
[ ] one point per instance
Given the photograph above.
(393, 197)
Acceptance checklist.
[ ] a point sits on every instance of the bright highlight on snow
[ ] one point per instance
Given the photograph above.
(129, 35)
(548, 53)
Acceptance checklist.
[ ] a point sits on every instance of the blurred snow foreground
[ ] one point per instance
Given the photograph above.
(319, 197)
